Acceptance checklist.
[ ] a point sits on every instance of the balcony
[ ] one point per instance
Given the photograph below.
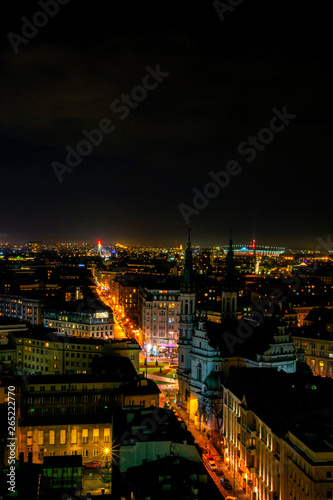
(251, 449)
(252, 432)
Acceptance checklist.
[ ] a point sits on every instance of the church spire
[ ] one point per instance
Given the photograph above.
(188, 268)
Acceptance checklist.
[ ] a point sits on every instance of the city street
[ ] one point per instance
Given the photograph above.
(208, 449)
(119, 329)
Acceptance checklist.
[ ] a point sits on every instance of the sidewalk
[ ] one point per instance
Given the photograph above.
(208, 448)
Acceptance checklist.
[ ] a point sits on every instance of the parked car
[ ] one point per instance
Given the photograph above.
(212, 465)
(94, 464)
(211, 462)
(226, 484)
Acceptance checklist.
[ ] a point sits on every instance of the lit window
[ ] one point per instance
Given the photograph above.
(95, 435)
(73, 436)
(40, 437)
(51, 437)
(63, 436)
(84, 435)
(106, 435)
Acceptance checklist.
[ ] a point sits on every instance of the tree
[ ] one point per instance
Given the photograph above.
(211, 408)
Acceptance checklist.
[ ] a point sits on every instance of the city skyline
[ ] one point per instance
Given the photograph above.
(195, 121)
(321, 245)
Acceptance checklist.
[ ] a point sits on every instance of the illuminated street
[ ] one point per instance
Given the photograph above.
(119, 331)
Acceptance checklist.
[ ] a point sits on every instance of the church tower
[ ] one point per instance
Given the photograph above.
(187, 322)
(229, 289)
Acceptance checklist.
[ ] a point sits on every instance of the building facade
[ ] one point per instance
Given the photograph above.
(23, 308)
(49, 439)
(318, 351)
(129, 299)
(159, 318)
(208, 350)
(87, 319)
(46, 353)
(269, 459)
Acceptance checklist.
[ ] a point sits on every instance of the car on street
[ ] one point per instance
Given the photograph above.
(94, 464)
(230, 498)
(226, 484)
(211, 463)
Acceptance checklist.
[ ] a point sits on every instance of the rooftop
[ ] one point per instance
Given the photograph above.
(296, 398)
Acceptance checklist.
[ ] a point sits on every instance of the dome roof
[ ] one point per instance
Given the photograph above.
(214, 381)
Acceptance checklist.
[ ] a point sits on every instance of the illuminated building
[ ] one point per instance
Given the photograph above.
(159, 317)
(207, 348)
(85, 435)
(43, 352)
(315, 345)
(20, 307)
(73, 414)
(34, 247)
(89, 318)
(129, 298)
(266, 449)
(187, 324)
(205, 262)
(258, 250)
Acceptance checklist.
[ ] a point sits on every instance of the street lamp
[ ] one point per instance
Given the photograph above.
(108, 455)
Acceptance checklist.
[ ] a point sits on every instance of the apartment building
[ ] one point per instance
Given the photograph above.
(73, 414)
(159, 311)
(318, 350)
(41, 351)
(88, 318)
(22, 308)
(271, 457)
(89, 436)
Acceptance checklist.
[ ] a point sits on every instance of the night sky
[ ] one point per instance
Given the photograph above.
(221, 80)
